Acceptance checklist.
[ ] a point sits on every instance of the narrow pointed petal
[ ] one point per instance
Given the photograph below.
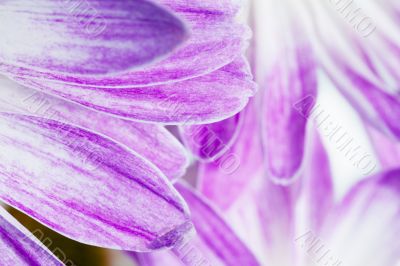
(210, 141)
(290, 78)
(215, 243)
(90, 38)
(224, 180)
(185, 102)
(18, 247)
(153, 142)
(215, 40)
(352, 67)
(367, 222)
(87, 187)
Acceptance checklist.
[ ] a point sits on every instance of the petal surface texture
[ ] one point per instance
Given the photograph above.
(19, 247)
(154, 142)
(90, 38)
(185, 102)
(86, 186)
(215, 40)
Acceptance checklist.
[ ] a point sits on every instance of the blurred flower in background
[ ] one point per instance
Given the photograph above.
(130, 135)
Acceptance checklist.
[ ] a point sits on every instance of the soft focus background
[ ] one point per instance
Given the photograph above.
(344, 171)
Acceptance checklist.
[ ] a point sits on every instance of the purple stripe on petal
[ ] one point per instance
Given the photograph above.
(154, 142)
(290, 79)
(87, 187)
(219, 240)
(317, 185)
(351, 66)
(85, 38)
(19, 247)
(224, 180)
(205, 99)
(215, 40)
(210, 141)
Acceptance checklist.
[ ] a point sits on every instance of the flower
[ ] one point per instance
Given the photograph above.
(89, 88)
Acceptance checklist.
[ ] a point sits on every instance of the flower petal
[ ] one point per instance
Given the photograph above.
(290, 78)
(317, 195)
(215, 244)
(387, 149)
(87, 187)
(90, 38)
(366, 223)
(175, 103)
(215, 40)
(210, 141)
(353, 70)
(154, 142)
(18, 248)
(220, 240)
(224, 180)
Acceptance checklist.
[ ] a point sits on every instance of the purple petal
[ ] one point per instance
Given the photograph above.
(220, 240)
(224, 180)
(317, 185)
(154, 142)
(175, 103)
(215, 40)
(19, 247)
(210, 141)
(366, 224)
(352, 68)
(387, 149)
(87, 187)
(91, 38)
(290, 79)
(215, 244)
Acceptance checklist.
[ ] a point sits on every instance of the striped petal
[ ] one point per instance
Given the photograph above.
(87, 187)
(210, 141)
(353, 67)
(366, 223)
(224, 180)
(184, 102)
(215, 244)
(84, 38)
(290, 78)
(19, 248)
(215, 40)
(154, 142)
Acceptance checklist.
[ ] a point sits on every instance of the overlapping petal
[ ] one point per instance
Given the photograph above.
(18, 246)
(210, 141)
(223, 180)
(84, 38)
(215, 244)
(354, 66)
(86, 186)
(204, 99)
(290, 78)
(153, 142)
(215, 40)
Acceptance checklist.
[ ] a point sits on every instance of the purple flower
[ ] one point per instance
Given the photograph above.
(87, 89)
